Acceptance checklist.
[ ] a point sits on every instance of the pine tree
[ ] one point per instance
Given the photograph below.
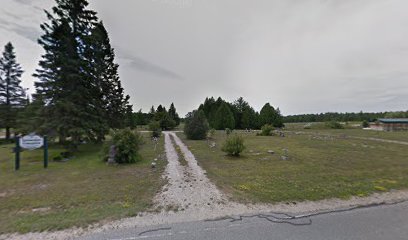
(29, 119)
(224, 118)
(196, 127)
(112, 100)
(269, 115)
(151, 114)
(174, 115)
(12, 95)
(78, 79)
(63, 84)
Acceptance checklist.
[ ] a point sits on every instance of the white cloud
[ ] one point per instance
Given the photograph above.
(303, 56)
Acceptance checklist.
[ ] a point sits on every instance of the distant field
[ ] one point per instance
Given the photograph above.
(320, 128)
(79, 192)
(318, 167)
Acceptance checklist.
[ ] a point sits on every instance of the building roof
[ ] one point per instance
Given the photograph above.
(393, 120)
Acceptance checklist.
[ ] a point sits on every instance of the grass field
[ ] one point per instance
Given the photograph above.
(318, 168)
(319, 128)
(79, 192)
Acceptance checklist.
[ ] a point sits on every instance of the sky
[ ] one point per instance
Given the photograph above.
(303, 56)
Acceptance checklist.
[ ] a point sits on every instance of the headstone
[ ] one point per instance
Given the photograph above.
(112, 154)
(285, 154)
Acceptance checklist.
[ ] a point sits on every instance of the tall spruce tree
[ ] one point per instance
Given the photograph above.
(12, 95)
(78, 78)
(109, 93)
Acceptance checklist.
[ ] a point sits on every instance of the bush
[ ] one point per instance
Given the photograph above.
(365, 124)
(155, 127)
(211, 133)
(267, 130)
(334, 125)
(228, 131)
(127, 144)
(196, 126)
(234, 145)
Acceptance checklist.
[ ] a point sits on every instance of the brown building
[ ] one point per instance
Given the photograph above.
(390, 124)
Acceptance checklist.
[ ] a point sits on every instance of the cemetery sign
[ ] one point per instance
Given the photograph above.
(31, 142)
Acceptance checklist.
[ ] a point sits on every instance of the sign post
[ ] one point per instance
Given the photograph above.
(17, 151)
(31, 142)
(45, 152)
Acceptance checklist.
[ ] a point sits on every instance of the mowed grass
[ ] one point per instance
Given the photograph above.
(79, 192)
(317, 168)
(350, 130)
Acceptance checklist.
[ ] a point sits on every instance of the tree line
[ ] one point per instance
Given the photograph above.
(78, 91)
(221, 114)
(166, 119)
(344, 117)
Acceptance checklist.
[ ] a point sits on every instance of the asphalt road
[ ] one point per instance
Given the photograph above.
(380, 222)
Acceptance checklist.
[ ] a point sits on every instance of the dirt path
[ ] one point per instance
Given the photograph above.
(188, 187)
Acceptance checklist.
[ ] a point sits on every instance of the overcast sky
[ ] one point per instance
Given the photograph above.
(303, 56)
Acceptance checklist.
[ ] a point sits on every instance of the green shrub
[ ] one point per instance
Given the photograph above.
(228, 131)
(365, 124)
(234, 145)
(267, 130)
(127, 144)
(211, 133)
(155, 127)
(196, 126)
(334, 125)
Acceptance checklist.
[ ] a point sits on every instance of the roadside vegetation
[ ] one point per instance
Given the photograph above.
(78, 192)
(301, 167)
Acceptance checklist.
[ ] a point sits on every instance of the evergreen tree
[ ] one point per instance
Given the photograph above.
(29, 119)
(140, 117)
(160, 109)
(243, 113)
(249, 118)
(196, 126)
(112, 100)
(269, 115)
(173, 114)
(78, 79)
(164, 118)
(224, 118)
(12, 95)
(151, 113)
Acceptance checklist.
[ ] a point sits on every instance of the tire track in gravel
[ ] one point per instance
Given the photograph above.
(188, 188)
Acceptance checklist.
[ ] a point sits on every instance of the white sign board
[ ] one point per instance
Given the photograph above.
(31, 142)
